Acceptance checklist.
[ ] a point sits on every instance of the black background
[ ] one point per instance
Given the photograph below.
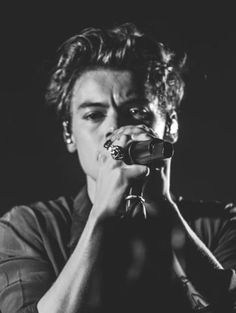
(33, 161)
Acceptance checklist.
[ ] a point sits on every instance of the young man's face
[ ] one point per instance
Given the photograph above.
(104, 100)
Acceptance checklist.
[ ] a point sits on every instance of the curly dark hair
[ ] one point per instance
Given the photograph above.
(121, 48)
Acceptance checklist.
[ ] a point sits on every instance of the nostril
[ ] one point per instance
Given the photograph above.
(110, 132)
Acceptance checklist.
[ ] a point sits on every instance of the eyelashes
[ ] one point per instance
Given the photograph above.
(136, 113)
(94, 115)
(139, 112)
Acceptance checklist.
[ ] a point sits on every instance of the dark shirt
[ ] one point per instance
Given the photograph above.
(37, 240)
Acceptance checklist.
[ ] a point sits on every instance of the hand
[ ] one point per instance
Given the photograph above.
(157, 184)
(114, 176)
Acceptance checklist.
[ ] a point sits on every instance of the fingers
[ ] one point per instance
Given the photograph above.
(129, 172)
(121, 137)
(136, 171)
(134, 132)
(106, 153)
(125, 134)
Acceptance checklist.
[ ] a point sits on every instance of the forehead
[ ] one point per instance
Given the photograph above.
(104, 85)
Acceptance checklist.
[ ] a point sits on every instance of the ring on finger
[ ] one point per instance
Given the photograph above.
(148, 172)
(117, 152)
(107, 144)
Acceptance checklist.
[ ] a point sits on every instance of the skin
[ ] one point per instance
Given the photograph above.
(100, 109)
(106, 105)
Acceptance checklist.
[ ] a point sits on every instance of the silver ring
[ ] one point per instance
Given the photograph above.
(107, 144)
(129, 197)
(141, 200)
(117, 152)
(148, 172)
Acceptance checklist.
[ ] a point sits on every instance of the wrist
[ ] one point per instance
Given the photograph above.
(99, 214)
(158, 208)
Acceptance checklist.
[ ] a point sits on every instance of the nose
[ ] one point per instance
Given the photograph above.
(110, 131)
(111, 124)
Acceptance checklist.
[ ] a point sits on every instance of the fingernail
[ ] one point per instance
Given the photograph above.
(115, 137)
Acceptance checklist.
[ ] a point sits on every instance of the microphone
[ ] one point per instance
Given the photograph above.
(148, 151)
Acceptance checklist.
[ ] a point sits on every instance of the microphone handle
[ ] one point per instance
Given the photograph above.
(151, 153)
(148, 151)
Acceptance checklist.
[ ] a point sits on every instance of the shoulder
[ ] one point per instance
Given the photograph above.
(40, 213)
(194, 209)
(211, 220)
(31, 227)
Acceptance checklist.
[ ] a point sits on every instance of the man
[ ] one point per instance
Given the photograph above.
(112, 88)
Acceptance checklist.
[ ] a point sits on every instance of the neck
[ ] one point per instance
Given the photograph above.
(168, 177)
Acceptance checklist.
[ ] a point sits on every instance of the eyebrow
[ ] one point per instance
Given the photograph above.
(89, 104)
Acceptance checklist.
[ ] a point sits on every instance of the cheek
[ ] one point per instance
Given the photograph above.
(159, 127)
(159, 119)
(86, 152)
(87, 146)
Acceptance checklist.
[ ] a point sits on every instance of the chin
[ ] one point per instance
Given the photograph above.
(92, 175)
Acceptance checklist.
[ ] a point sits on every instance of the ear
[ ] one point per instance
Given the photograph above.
(171, 127)
(68, 137)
